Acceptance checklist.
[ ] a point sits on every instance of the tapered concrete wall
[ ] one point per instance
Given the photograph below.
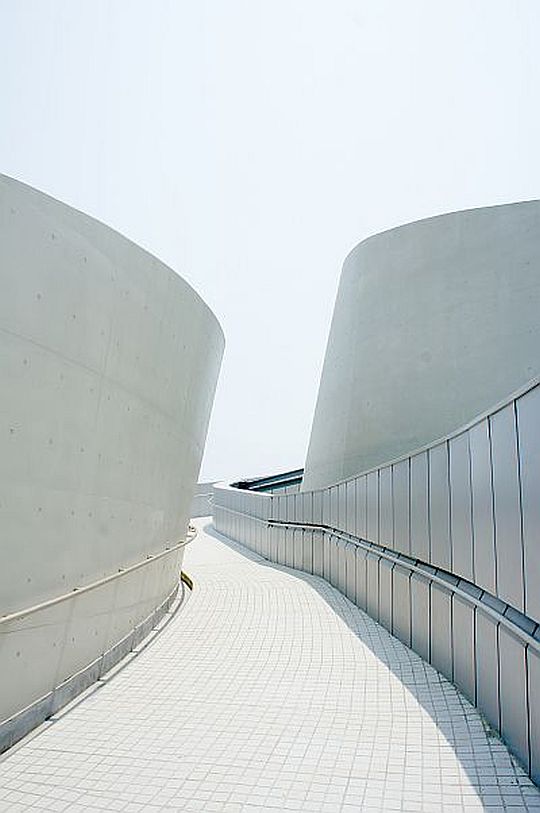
(434, 322)
(108, 366)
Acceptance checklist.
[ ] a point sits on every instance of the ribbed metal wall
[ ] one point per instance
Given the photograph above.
(442, 547)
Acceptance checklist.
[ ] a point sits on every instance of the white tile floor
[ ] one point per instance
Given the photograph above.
(267, 691)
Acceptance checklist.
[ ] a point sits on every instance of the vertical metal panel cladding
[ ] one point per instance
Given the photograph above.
(400, 488)
(361, 506)
(361, 578)
(461, 509)
(327, 555)
(466, 504)
(420, 616)
(327, 507)
(334, 546)
(386, 510)
(372, 585)
(464, 647)
(342, 565)
(304, 507)
(419, 516)
(441, 630)
(317, 507)
(487, 668)
(528, 410)
(342, 506)
(298, 548)
(334, 507)
(439, 506)
(273, 536)
(482, 507)
(507, 506)
(533, 673)
(350, 590)
(435, 322)
(108, 367)
(350, 523)
(307, 551)
(401, 605)
(373, 506)
(282, 545)
(319, 544)
(385, 594)
(290, 509)
(513, 688)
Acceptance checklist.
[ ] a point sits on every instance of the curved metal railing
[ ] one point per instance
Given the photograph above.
(77, 591)
(440, 545)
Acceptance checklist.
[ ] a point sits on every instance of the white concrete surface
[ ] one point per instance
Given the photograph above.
(269, 690)
(435, 322)
(108, 366)
(201, 504)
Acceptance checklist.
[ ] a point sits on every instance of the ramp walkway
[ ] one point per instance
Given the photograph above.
(266, 690)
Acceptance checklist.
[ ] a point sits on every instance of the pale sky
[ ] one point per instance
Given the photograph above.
(250, 144)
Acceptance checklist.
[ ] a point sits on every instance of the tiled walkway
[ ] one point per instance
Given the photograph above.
(267, 691)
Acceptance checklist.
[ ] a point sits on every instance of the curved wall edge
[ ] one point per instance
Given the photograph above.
(24, 721)
(434, 322)
(442, 547)
(108, 364)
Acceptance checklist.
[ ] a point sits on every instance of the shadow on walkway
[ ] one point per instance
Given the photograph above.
(478, 748)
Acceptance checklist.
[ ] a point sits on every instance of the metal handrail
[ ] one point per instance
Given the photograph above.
(77, 591)
(468, 591)
(465, 589)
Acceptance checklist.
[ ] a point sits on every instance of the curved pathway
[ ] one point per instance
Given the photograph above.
(267, 691)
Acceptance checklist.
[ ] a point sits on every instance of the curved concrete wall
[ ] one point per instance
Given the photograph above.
(108, 366)
(434, 322)
(442, 547)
